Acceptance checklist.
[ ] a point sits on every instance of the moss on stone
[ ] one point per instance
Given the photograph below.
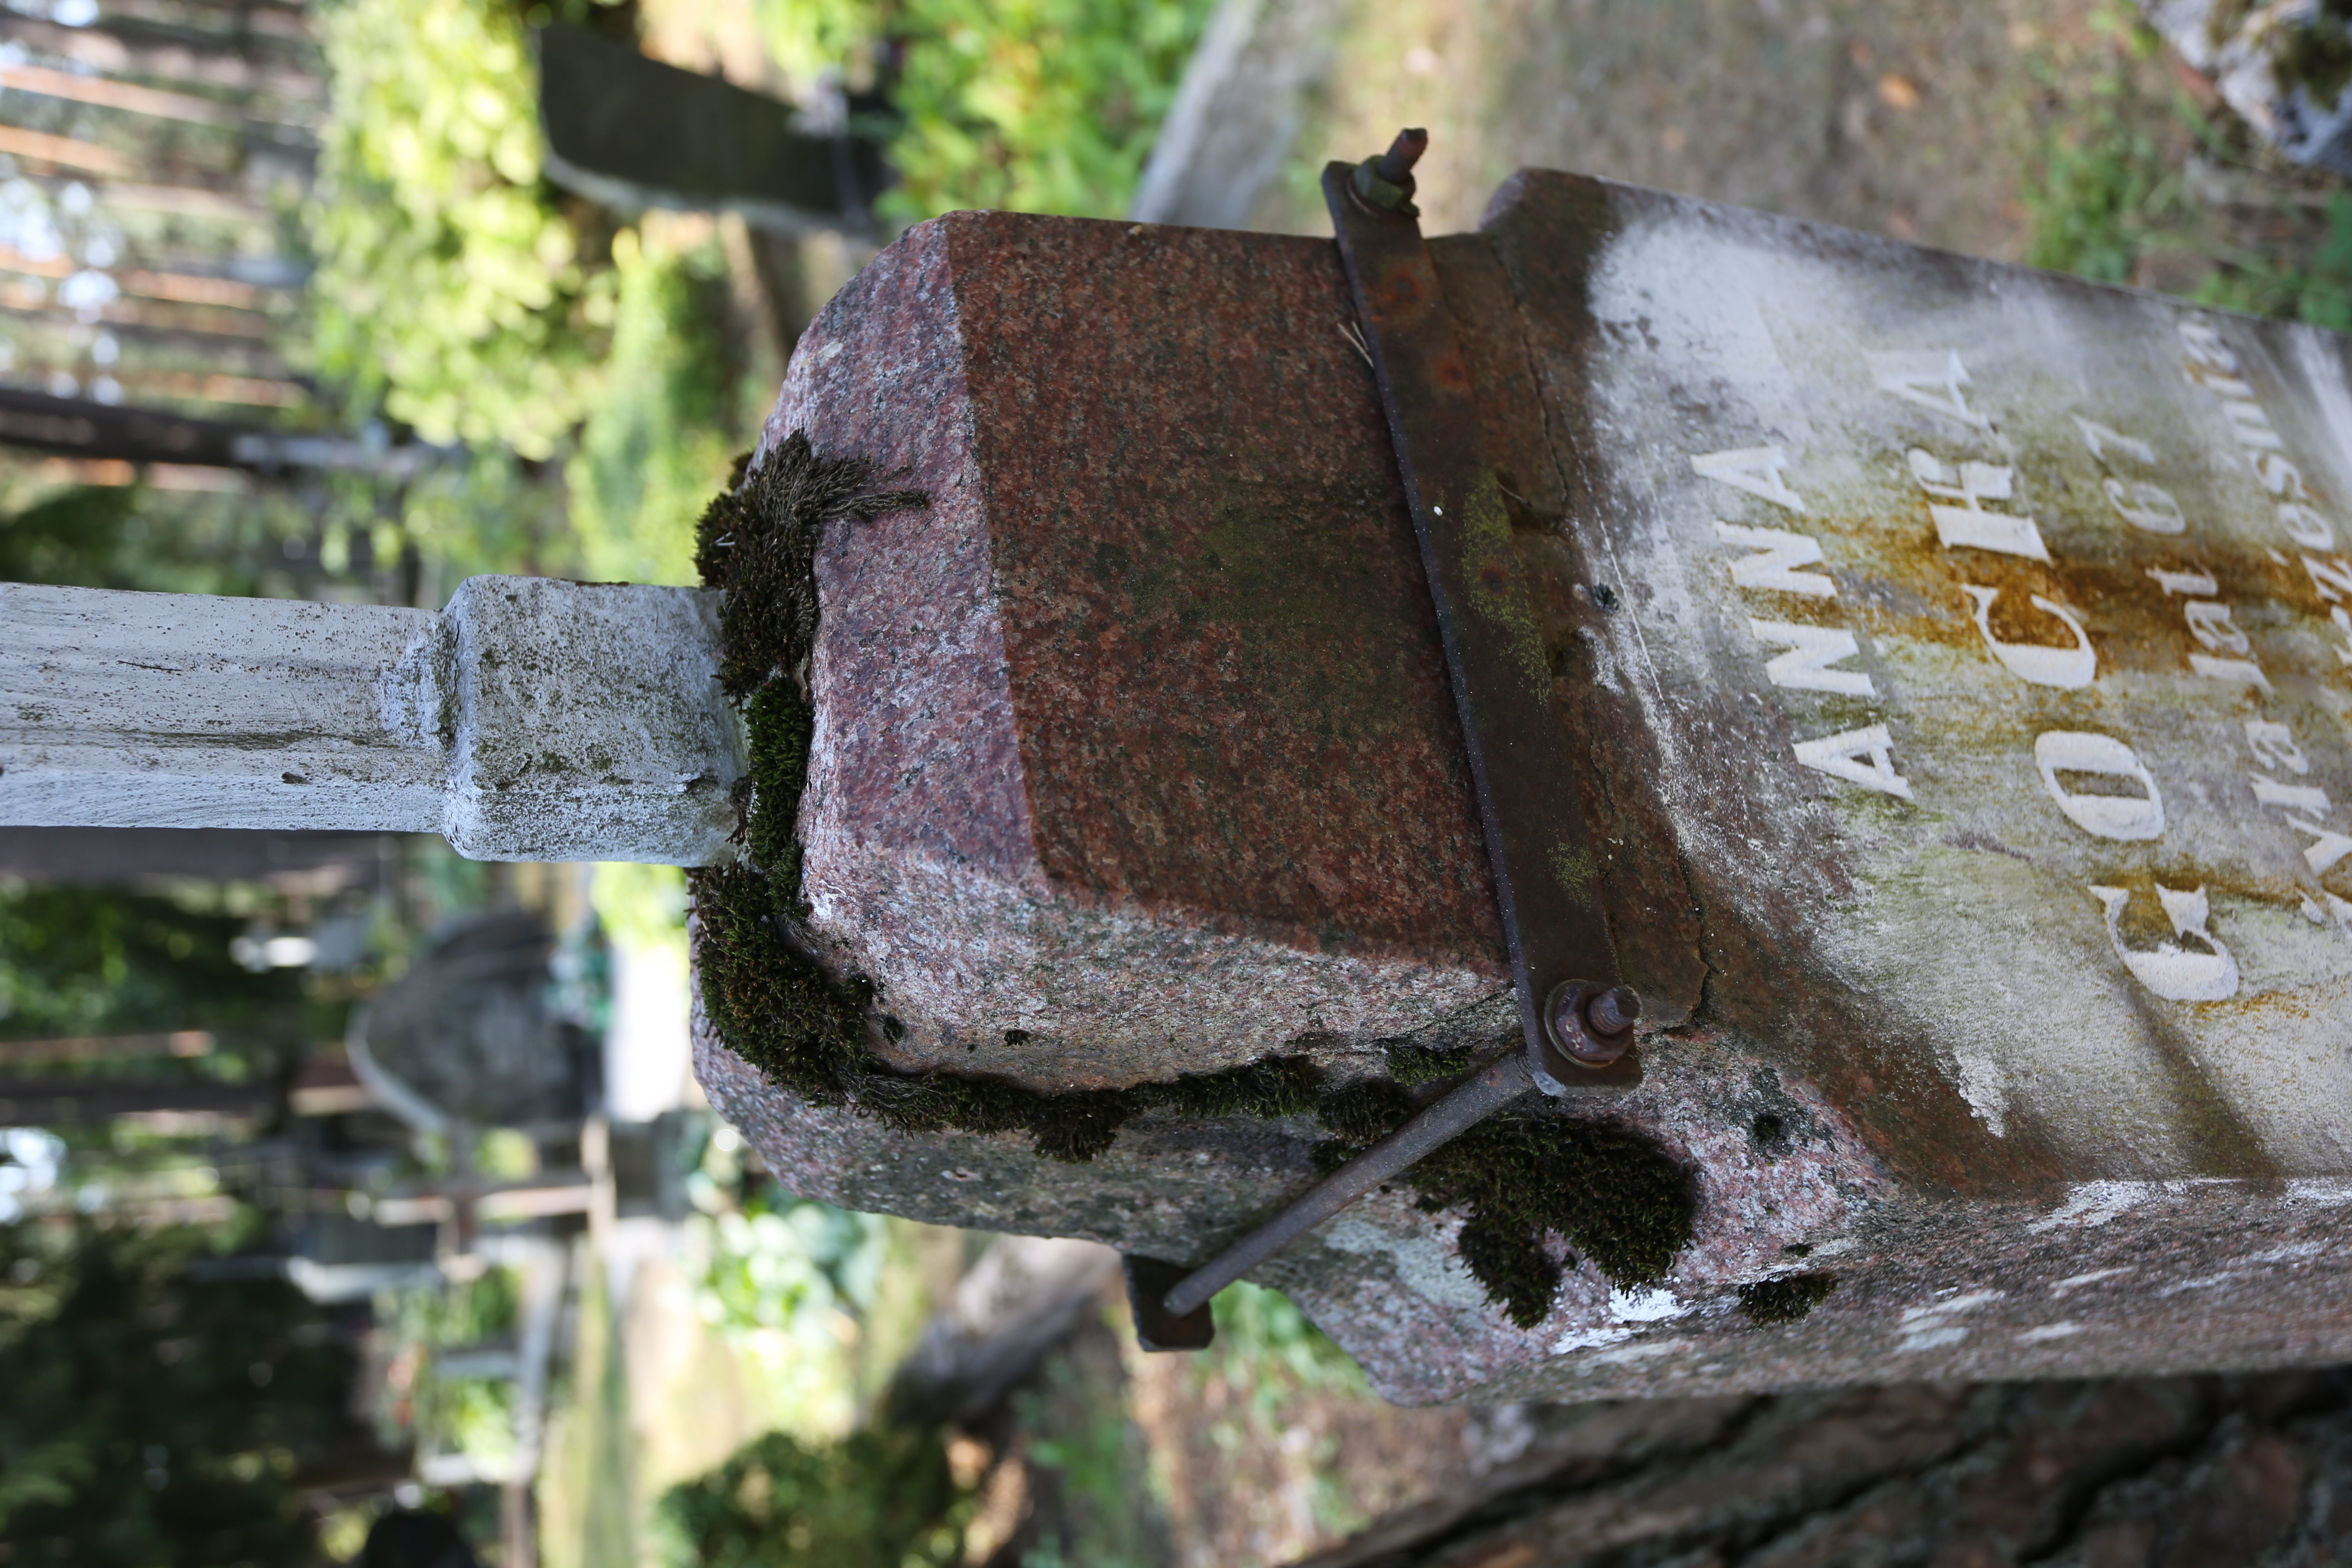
(1787, 1299)
(770, 1001)
(758, 540)
(776, 1009)
(1409, 1063)
(780, 725)
(1521, 1176)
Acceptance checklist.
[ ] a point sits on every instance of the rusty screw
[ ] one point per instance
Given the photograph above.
(1590, 1025)
(1395, 165)
(1612, 1012)
(1386, 182)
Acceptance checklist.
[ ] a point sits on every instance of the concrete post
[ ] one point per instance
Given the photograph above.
(532, 720)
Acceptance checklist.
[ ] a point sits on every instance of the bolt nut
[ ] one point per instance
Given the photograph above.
(1591, 1026)
(1385, 181)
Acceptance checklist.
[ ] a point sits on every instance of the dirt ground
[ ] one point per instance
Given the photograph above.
(1953, 124)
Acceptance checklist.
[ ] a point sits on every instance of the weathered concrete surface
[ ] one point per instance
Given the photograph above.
(531, 719)
(1965, 652)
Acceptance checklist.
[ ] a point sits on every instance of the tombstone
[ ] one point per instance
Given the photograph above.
(633, 132)
(470, 1031)
(1950, 665)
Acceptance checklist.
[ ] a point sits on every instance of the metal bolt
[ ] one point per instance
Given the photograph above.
(1396, 164)
(1386, 182)
(1590, 1025)
(1612, 1012)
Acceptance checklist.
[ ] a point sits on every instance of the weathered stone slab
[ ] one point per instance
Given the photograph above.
(1133, 749)
(1965, 657)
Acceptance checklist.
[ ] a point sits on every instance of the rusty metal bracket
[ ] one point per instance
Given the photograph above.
(1521, 764)
(1577, 1021)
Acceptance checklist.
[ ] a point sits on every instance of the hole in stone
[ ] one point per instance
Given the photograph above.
(892, 1027)
(1017, 1037)
(1770, 1134)
(1797, 1250)
(1606, 597)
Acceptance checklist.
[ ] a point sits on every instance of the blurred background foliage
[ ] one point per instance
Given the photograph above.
(153, 1417)
(91, 961)
(455, 284)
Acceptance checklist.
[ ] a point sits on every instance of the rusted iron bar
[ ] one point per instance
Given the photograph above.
(1523, 766)
(1493, 1087)
(1586, 1023)
(1579, 1024)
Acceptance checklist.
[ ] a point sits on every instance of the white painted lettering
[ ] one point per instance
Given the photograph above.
(2274, 746)
(2278, 476)
(1812, 650)
(1931, 378)
(2226, 386)
(2149, 507)
(1969, 525)
(1840, 756)
(2306, 527)
(2205, 346)
(2332, 578)
(2236, 671)
(2183, 582)
(2248, 423)
(2067, 669)
(2172, 972)
(2119, 816)
(1756, 470)
(2293, 797)
(1779, 552)
(2210, 623)
(2099, 437)
(1960, 530)
(2325, 848)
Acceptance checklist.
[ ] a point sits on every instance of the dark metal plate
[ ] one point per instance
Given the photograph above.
(1521, 761)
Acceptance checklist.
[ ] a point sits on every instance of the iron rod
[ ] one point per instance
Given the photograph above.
(1493, 1087)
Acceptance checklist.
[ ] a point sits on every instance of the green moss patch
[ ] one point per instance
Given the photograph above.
(776, 1010)
(1524, 1175)
(758, 540)
(1409, 1063)
(1787, 1299)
